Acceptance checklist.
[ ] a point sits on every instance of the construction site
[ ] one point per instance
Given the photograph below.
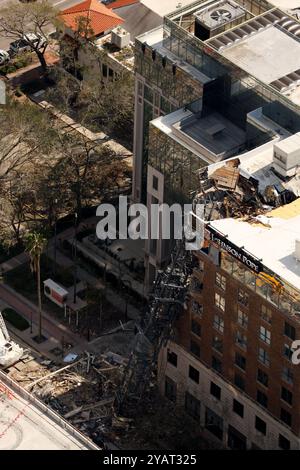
(112, 391)
(110, 398)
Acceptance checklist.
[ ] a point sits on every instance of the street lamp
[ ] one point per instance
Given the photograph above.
(75, 259)
(55, 235)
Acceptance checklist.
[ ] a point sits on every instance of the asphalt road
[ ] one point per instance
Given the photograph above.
(59, 4)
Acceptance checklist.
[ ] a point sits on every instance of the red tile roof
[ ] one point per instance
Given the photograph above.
(120, 3)
(100, 17)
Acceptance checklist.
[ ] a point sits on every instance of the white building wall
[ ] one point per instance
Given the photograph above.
(223, 407)
(138, 139)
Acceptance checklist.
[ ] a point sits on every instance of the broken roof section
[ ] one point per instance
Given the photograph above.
(99, 18)
(248, 185)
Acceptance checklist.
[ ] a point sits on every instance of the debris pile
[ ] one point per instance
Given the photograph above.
(82, 392)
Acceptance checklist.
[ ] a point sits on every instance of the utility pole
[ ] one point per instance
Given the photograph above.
(75, 259)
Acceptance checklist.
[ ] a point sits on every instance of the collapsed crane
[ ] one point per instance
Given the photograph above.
(10, 352)
(166, 304)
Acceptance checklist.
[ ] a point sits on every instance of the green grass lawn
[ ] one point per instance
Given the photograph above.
(15, 319)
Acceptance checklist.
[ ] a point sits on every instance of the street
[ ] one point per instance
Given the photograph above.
(59, 4)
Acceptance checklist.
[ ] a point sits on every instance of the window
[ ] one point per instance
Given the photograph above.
(140, 88)
(263, 356)
(241, 340)
(240, 361)
(287, 375)
(287, 352)
(215, 390)
(170, 389)
(221, 281)
(192, 406)
(196, 328)
(196, 285)
(286, 395)
(148, 94)
(289, 331)
(172, 358)
(243, 297)
(195, 348)
(262, 398)
(260, 425)
(197, 309)
(238, 408)
(262, 377)
(242, 318)
(219, 323)
(214, 423)
(286, 417)
(264, 335)
(156, 99)
(236, 440)
(217, 344)
(266, 314)
(220, 302)
(239, 381)
(104, 70)
(155, 182)
(216, 364)
(283, 442)
(194, 374)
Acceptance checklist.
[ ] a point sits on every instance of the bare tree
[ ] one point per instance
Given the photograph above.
(22, 19)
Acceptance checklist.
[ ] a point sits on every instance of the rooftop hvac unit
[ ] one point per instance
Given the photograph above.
(286, 157)
(212, 20)
(221, 15)
(120, 37)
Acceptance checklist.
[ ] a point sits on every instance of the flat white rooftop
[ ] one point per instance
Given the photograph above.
(23, 426)
(164, 7)
(274, 244)
(286, 4)
(267, 55)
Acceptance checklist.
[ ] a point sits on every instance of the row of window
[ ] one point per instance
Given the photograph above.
(243, 299)
(241, 341)
(264, 336)
(240, 361)
(214, 422)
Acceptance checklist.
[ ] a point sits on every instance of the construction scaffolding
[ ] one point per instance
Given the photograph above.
(167, 301)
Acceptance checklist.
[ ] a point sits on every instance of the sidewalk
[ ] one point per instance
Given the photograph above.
(113, 298)
(13, 263)
(51, 328)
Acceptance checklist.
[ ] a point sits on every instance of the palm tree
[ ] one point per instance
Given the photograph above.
(34, 245)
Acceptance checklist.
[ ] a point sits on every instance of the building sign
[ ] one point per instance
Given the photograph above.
(239, 253)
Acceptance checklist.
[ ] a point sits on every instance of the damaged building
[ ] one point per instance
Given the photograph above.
(229, 363)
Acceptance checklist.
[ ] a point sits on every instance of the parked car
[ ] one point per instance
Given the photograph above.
(4, 57)
(23, 45)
